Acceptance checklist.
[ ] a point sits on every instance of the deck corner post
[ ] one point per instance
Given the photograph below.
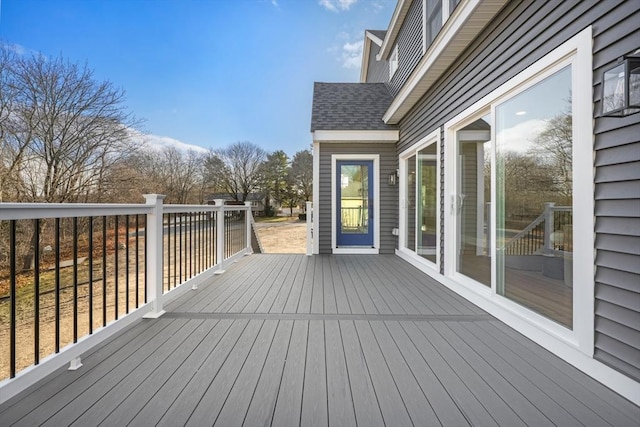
(219, 235)
(309, 216)
(248, 220)
(155, 255)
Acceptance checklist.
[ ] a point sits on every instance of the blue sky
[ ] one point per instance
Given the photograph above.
(206, 72)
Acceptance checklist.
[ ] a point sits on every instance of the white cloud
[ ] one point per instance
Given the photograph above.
(275, 3)
(158, 143)
(352, 54)
(15, 48)
(337, 5)
(521, 137)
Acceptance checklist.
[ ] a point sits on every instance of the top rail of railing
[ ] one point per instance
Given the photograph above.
(19, 211)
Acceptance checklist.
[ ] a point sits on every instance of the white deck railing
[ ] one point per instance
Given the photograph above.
(71, 275)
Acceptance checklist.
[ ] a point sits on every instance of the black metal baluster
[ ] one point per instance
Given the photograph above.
(36, 291)
(190, 245)
(175, 252)
(12, 298)
(57, 290)
(126, 225)
(75, 279)
(168, 252)
(137, 260)
(115, 272)
(90, 290)
(104, 271)
(180, 251)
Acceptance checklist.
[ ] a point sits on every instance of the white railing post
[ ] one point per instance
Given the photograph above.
(155, 252)
(219, 235)
(309, 216)
(248, 220)
(548, 227)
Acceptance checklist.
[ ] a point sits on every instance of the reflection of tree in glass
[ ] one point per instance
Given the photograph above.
(554, 150)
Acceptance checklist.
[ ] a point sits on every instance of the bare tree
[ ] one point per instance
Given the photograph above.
(60, 133)
(237, 169)
(63, 129)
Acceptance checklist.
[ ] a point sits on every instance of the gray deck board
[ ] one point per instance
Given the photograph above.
(323, 340)
(283, 295)
(314, 393)
(392, 406)
(289, 401)
(142, 407)
(235, 407)
(263, 403)
(415, 401)
(491, 374)
(365, 401)
(180, 409)
(600, 399)
(437, 395)
(339, 399)
(467, 403)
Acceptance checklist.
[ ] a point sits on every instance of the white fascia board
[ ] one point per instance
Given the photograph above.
(464, 24)
(374, 38)
(356, 135)
(400, 12)
(364, 67)
(366, 54)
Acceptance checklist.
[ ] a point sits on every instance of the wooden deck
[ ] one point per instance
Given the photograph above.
(286, 340)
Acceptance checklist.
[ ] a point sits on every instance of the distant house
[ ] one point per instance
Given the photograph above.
(476, 148)
(257, 200)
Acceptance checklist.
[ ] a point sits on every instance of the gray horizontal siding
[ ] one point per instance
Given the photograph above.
(409, 42)
(377, 71)
(521, 34)
(617, 201)
(388, 215)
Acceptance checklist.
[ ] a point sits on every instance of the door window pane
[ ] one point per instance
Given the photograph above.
(354, 199)
(410, 237)
(472, 201)
(534, 198)
(427, 206)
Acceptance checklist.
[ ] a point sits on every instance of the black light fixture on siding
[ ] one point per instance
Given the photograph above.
(621, 88)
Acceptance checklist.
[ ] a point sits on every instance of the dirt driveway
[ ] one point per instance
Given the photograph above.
(283, 237)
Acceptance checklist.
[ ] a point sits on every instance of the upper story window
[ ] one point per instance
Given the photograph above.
(393, 62)
(432, 19)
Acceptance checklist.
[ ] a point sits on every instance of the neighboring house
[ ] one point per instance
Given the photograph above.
(257, 200)
(475, 148)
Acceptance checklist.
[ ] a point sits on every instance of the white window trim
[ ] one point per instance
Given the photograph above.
(430, 139)
(316, 198)
(376, 204)
(560, 340)
(394, 62)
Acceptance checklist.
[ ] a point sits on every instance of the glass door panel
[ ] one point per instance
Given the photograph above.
(428, 207)
(355, 203)
(472, 201)
(534, 198)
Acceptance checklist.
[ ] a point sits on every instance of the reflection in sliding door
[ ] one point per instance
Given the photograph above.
(473, 201)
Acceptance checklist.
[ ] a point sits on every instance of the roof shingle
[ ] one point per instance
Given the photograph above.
(350, 106)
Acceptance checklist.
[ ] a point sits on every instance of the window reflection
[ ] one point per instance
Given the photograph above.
(534, 198)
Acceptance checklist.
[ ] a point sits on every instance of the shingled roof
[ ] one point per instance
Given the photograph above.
(350, 106)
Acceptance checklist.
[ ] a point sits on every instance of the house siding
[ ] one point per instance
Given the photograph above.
(521, 34)
(388, 215)
(617, 203)
(409, 42)
(377, 71)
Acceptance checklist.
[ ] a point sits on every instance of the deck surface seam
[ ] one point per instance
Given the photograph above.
(333, 316)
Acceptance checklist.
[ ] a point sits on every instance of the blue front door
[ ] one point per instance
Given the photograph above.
(354, 203)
